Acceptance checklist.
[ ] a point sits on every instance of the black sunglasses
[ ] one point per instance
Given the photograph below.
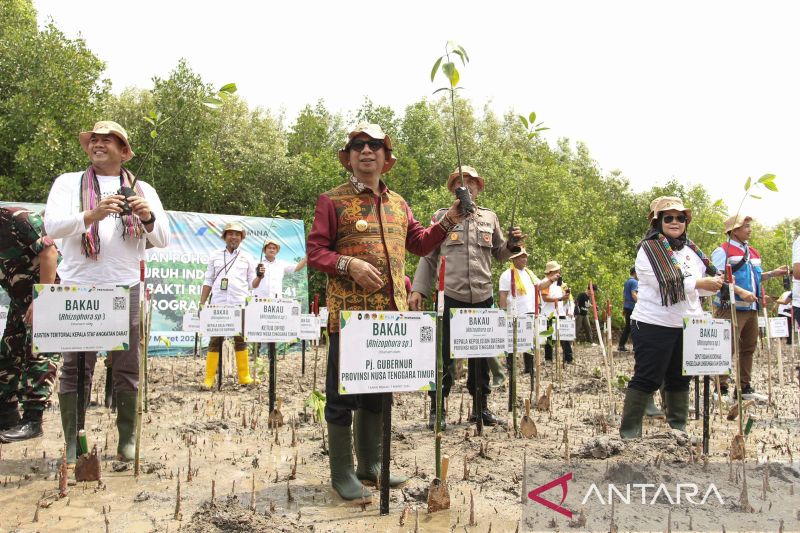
(669, 218)
(359, 144)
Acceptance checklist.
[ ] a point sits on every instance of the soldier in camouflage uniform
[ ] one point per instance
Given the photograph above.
(27, 256)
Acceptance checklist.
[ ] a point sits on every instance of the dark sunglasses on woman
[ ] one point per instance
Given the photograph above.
(669, 218)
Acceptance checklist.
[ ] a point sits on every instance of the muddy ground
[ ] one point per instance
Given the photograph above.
(247, 477)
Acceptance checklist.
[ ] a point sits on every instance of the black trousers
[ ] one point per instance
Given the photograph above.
(658, 358)
(449, 367)
(626, 331)
(339, 408)
(566, 346)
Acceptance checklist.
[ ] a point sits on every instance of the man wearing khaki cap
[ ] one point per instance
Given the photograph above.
(359, 238)
(270, 271)
(468, 249)
(748, 273)
(230, 275)
(555, 300)
(104, 217)
(526, 284)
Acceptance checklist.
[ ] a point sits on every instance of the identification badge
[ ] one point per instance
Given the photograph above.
(223, 284)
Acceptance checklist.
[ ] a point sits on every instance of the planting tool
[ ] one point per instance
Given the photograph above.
(438, 495)
(527, 426)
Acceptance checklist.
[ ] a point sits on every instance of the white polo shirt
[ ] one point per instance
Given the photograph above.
(239, 268)
(271, 285)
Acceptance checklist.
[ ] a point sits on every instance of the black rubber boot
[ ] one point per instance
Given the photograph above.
(340, 455)
(632, 413)
(432, 417)
(368, 433)
(109, 400)
(9, 416)
(29, 428)
(677, 407)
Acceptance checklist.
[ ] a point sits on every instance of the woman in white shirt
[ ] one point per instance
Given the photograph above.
(673, 275)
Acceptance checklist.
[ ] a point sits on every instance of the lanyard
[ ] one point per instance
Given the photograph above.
(228, 264)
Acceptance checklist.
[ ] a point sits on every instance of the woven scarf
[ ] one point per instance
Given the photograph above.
(90, 197)
(520, 287)
(667, 269)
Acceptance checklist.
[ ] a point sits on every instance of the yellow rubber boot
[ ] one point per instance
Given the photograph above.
(243, 366)
(212, 364)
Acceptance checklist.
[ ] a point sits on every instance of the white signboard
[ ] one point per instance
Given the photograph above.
(706, 347)
(221, 320)
(477, 333)
(762, 322)
(323, 317)
(80, 318)
(3, 317)
(566, 329)
(191, 323)
(271, 320)
(778, 327)
(309, 327)
(524, 334)
(387, 351)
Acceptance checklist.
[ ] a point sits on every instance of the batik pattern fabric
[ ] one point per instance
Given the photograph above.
(375, 232)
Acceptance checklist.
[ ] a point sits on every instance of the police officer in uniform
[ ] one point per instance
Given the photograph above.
(468, 248)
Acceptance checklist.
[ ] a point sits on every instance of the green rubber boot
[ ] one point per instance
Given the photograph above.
(368, 433)
(340, 455)
(632, 413)
(126, 425)
(652, 410)
(676, 404)
(68, 405)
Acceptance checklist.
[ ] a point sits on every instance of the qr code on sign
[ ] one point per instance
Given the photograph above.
(119, 303)
(295, 311)
(501, 321)
(426, 334)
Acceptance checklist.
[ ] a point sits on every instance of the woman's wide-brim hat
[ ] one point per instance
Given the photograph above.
(374, 131)
(454, 179)
(234, 226)
(551, 266)
(107, 127)
(667, 203)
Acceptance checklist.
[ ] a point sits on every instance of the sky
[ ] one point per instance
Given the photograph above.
(701, 92)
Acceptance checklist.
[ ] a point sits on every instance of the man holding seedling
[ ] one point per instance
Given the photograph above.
(105, 218)
(230, 275)
(359, 238)
(468, 249)
(270, 272)
(748, 274)
(27, 256)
